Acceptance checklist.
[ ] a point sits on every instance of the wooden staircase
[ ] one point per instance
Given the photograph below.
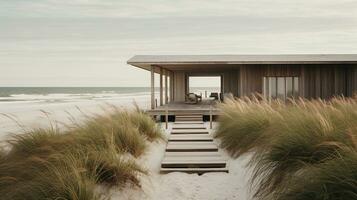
(191, 148)
(189, 118)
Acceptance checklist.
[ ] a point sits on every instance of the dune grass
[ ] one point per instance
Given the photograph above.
(145, 125)
(54, 163)
(37, 178)
(287, 138)
(243, 126)
(333, 179)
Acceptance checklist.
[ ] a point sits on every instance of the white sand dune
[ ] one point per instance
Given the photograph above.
(30, 113)
(155, 186)
(178, 186)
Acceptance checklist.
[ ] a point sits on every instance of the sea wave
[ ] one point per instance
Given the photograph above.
(62, 97)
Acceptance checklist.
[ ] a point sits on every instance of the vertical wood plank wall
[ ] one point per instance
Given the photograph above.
(179, 86)
(172, 86)
(230, 82)
(315, 81)
(351, 80)
(326, 81)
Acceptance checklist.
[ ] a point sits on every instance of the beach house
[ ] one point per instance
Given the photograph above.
(273, 76)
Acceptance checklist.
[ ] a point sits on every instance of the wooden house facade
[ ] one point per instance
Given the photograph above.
(274, 76)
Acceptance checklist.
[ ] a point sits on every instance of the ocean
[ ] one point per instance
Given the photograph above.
(68, 94)
(38, 106)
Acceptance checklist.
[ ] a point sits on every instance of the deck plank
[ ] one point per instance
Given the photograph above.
(193, 164)
(194, 170)
(186, 154)
(188, 126)
(190, 137)
(190, 131)
(191, 148)
(193, 159)
(189, 122)
(188, 119)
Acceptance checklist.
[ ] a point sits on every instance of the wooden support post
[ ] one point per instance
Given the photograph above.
(166, 87)
(167, 116)
(152, 87)
(161, 88)
(210, 116)
(172, 87)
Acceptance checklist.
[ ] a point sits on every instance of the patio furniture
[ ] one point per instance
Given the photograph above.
(214, 95)
(192, 98)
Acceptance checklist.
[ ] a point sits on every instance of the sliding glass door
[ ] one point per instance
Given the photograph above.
(280, 87)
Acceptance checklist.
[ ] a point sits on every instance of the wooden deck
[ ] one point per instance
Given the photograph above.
(181, 109)
(191, 149)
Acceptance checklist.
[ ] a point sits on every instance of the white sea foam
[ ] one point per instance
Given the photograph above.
(28, 108)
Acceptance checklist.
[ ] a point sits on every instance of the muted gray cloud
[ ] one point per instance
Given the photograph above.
(87, 42)
(166, 8)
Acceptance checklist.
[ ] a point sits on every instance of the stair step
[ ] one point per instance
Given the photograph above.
(190, 154)
(188, 119)
(189, 131)
(191, 146)
(190, 137)
(194, 170)
(188, 126)
(188, 116)
(189, 122)
(193, 162)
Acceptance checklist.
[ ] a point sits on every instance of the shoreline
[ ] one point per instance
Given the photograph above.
(31, 114)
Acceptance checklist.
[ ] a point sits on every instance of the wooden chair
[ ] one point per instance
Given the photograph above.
(214, 95)
(192, 98)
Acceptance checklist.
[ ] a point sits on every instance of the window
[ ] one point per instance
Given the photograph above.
(280, 87)
(204, 85)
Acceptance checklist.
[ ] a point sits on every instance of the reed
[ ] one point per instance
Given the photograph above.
(287, 138)
(242, 127)
(146, 125)
(333, 179)
(53, 163)
(37, 178)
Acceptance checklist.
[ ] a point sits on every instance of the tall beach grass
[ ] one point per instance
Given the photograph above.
(72, 162)
(288, 140)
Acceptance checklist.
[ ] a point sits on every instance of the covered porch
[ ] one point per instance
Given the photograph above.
(273, 76)
(206, 107)
(174, 85)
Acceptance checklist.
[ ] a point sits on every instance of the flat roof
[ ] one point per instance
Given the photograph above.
(172, 61)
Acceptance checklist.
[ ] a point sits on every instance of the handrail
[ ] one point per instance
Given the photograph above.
(210, 116)
(167, 117)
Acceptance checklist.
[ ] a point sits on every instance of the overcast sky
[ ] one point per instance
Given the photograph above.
(87, 42)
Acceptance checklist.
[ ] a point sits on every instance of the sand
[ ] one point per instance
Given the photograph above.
(178, 186)
(155, 186)
(32, 113)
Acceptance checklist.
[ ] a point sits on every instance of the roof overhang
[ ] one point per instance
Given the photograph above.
(191, 62)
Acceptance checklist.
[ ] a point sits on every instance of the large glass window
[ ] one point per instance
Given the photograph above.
(280, 87)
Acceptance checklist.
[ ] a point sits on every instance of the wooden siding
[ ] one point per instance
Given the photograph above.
(326, 81)
(351, 80)
(316, 81)
(251, 76)
(179, 86)
(230, 82)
